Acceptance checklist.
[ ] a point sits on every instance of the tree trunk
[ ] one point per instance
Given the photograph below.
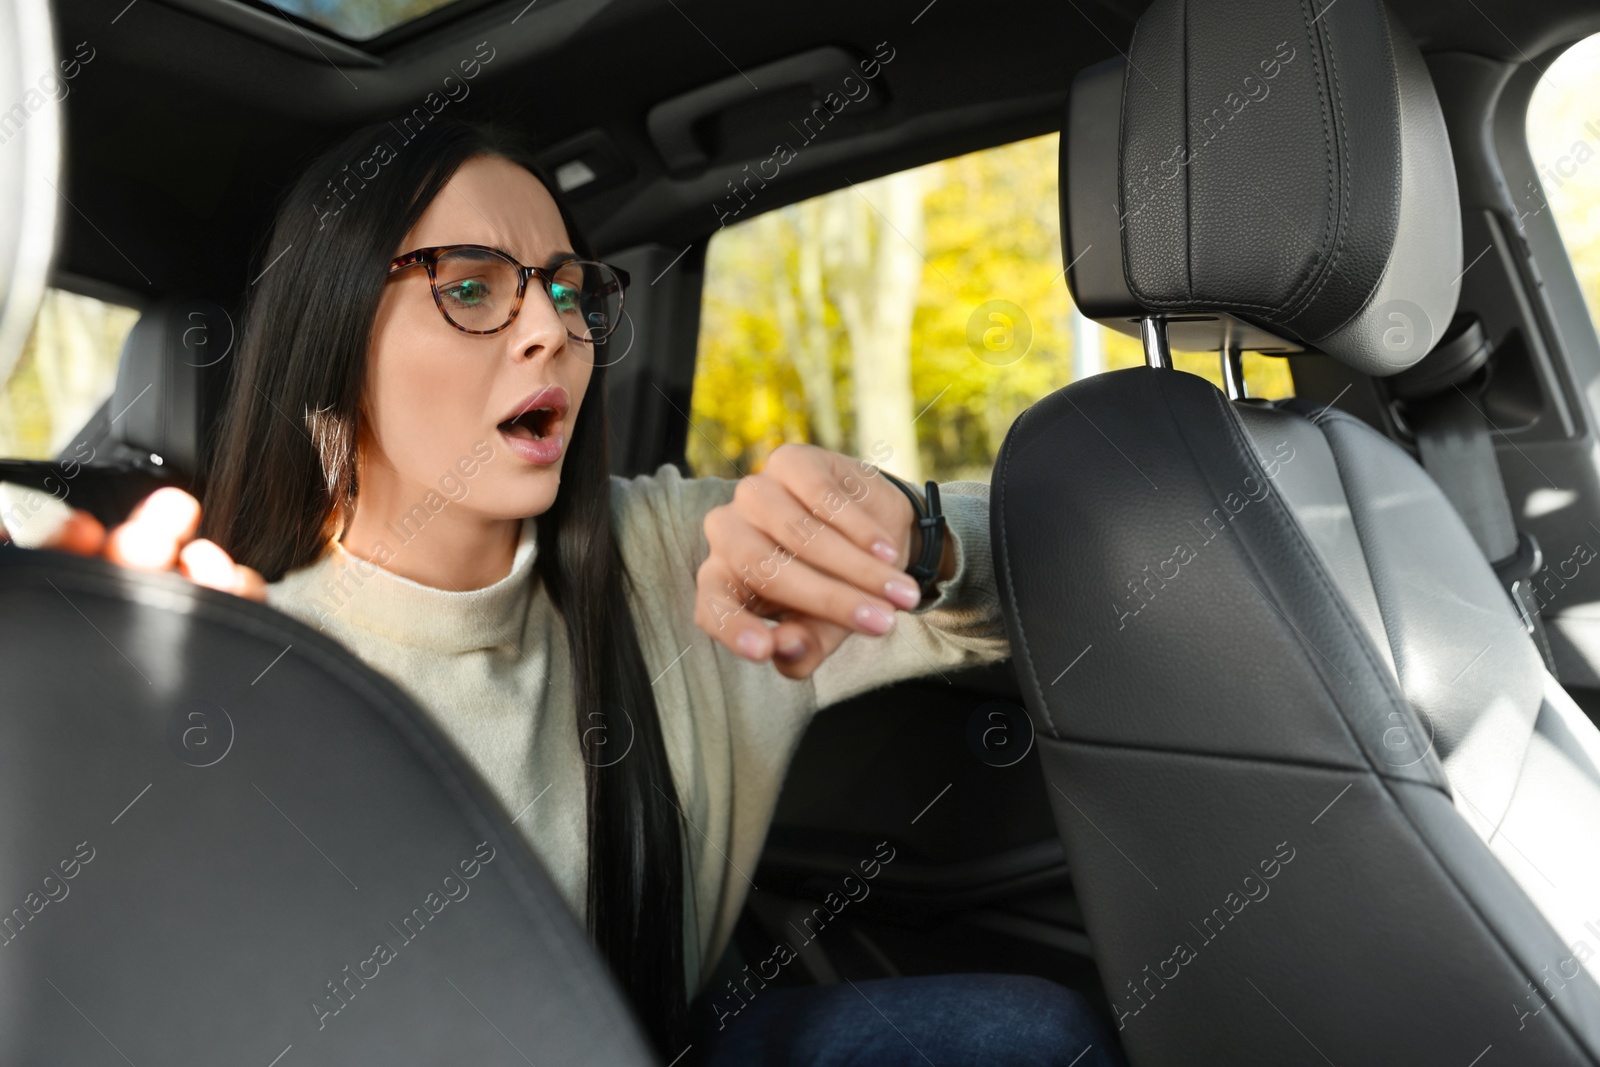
(812, 353)
(879, 283)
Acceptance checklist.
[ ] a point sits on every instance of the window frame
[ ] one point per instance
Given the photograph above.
(1562, 314)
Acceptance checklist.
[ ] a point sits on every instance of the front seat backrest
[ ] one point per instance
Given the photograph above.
(155, 429)
(171, 384)
(229, 841)
(1321, 800)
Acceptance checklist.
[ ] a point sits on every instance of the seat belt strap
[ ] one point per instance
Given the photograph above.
(1458, 452)
(1453, 437)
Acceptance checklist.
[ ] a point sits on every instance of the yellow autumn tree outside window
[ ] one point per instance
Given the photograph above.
(922, 312)
(67, 369)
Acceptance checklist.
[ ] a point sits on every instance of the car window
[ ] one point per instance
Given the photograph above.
(67, 369)
(1564, 141)
(907, 320)
(357, 20)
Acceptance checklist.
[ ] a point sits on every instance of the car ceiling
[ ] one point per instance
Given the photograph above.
(186, 127)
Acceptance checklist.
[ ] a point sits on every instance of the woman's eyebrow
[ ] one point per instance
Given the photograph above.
(555, 259)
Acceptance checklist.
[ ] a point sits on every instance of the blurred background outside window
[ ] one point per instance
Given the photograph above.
(67, 370)
(922, 311)
(1564, 141)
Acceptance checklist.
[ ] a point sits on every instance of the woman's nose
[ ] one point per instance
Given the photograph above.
(539, 327)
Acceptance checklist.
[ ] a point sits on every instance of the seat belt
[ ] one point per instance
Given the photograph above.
(1457, 450)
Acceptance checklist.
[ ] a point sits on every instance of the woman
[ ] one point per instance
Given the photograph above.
(414, 461)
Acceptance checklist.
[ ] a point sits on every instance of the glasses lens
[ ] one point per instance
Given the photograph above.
(588, 297)
(477, 289)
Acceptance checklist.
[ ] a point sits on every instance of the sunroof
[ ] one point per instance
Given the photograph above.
(359, 20)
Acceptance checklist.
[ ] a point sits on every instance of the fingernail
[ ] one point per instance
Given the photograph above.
(750, 644)
(885, 551)
(902, 592)
(872, 620)
(792, 648)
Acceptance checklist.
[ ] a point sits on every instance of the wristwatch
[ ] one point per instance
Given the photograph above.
(930, 520)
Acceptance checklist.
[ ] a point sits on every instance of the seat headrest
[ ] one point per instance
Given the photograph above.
(1266, 174)
(171, 382)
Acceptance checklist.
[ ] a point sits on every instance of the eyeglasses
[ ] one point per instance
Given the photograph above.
(479, 289)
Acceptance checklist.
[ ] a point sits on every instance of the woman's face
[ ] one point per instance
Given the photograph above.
(437, 402)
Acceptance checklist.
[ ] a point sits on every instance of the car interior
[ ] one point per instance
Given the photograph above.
(1295, 759)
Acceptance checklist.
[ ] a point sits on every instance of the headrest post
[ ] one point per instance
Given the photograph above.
(1153, 331)
(1233, 373)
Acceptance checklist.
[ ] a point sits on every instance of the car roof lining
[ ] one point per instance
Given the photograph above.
(184, 130)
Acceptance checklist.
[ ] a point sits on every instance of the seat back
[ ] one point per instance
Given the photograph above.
(171, 384)
(157, 428)
(228, 840)
(1321, 800)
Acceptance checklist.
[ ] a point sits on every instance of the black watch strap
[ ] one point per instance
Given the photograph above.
(930, 520)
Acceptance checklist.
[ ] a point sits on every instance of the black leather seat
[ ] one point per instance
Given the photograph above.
(225, 837)
(155, 428)
(171, 385)
(1322, 801)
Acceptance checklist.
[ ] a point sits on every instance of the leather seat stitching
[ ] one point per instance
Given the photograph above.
(1345, 419)
(1307, 289)
(1517, 783)
(1315, 276)
(1188, 187)
(1236, 757)
(1009, 590)
(1341, 218)
(1426, 848)
(1291, 528)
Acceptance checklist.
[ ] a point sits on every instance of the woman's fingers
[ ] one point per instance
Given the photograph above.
(732, 615)
(759, 567)
(867, 511)
(722, 610)
(800, 644)
(796, 645)
(773, 508)
(815, 542)
(746, 567)
(161, 525)
(81, 534)
(159, 536)
(205, 563)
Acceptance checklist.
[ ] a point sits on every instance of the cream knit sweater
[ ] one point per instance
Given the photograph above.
(491, 667)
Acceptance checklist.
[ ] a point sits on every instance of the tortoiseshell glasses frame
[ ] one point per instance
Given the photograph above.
(586, 294)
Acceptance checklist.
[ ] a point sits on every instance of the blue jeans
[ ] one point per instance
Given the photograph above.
(949, 1020)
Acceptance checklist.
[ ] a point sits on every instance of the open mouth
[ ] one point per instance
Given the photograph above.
(532, 425)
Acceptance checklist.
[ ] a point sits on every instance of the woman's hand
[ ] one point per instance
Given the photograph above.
(816, 541)
(160, 536)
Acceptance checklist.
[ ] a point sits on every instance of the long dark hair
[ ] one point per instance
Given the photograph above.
(285, 481)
